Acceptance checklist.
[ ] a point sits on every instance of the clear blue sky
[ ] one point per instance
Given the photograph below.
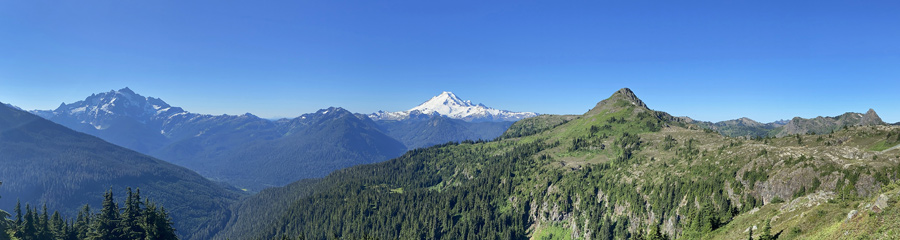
(713, 60)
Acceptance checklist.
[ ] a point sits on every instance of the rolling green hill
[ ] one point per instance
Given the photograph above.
(620, 170)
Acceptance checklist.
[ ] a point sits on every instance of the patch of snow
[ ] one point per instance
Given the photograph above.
(78, 110)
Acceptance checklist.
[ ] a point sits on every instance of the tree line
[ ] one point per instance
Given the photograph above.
(136, 219)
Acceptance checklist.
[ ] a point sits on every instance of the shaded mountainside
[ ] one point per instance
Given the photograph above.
(619, 171)
(46, 163)
(421, 130)
(328, 140)
(797, 125)
(251, 152)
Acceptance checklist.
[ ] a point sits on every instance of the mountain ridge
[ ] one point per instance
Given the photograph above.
(797, 125)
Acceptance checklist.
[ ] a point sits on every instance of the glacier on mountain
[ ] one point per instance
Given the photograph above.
(449, 105)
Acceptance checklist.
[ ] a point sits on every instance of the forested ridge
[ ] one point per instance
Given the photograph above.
(619, 171)
(46, 163)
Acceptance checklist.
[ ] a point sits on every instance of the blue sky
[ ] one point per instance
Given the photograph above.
(713, 60)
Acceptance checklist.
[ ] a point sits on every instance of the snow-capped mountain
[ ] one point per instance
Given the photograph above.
(103, 109)
(449, 105)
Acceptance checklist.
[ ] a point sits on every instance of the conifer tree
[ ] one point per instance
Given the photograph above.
(5, 223)
(29, 231)
(57, 226)
(655, 233)
(157, 224)
(17, 225)
(131, 217)
(43, 225)
(767, 232)
(18, 211)
(107, 223)
(82, 224)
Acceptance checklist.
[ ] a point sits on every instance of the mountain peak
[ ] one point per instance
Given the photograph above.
(99, 108)
(446, 98)
(126, 90)
(624, 95)
(871, 118)
(627, 94)
(449, 105)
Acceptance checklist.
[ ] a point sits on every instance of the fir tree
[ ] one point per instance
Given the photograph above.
(767, 232)
(28, 229)
(157, 224)
(107, 223)
(131, 217)
(82, 225)
(18, 211)
(43, 226)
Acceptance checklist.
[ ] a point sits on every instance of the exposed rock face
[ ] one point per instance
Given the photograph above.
(871, 118)
(609, 104)
(881, 203)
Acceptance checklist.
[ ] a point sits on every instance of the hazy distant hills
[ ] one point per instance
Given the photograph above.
(42, 162)
(254, 153)
(797, 125)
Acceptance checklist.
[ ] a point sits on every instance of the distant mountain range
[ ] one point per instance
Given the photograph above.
(797, 125)
(254, 153)
(42, 162)
(449, 105)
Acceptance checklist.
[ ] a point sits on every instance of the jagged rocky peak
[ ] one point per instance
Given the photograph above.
(122, 101)
(609, 104)
(871, 118)
(99, 109)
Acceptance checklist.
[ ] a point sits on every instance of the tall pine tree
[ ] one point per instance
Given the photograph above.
(132, 215)
(106, 225)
